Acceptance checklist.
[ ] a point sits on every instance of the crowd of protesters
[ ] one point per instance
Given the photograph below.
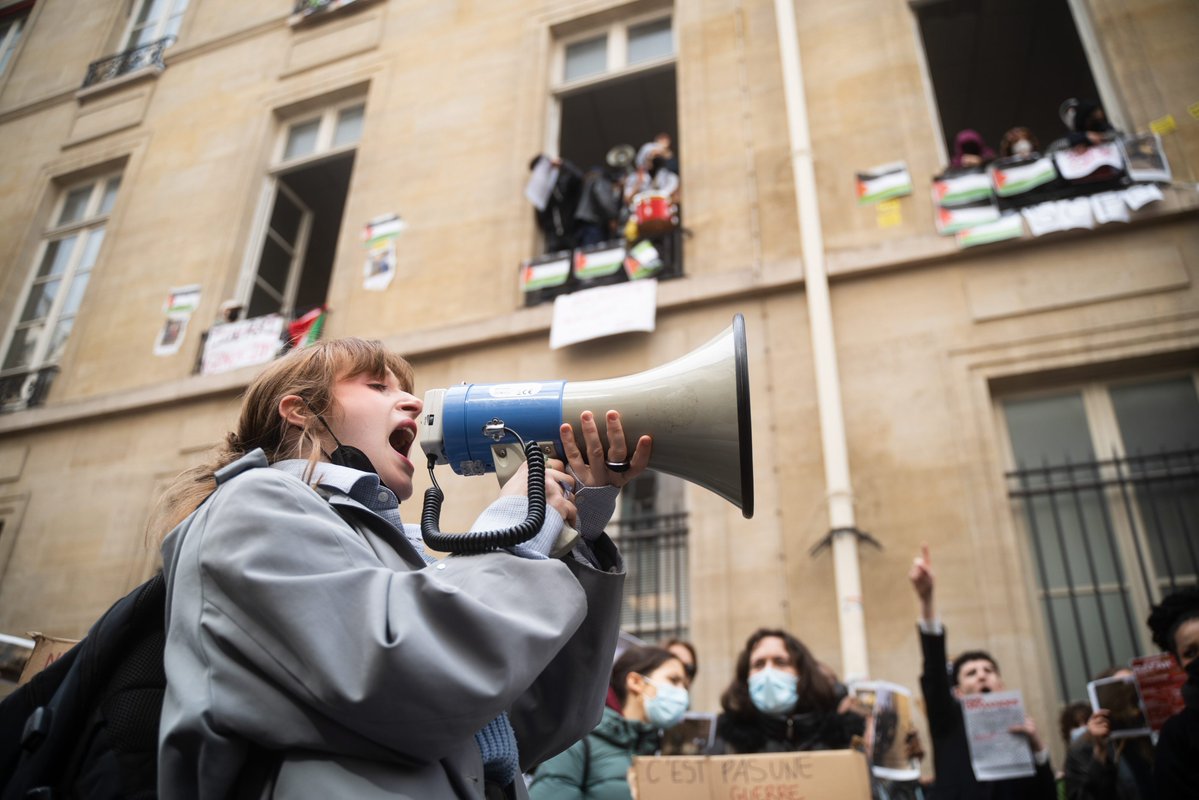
(782, 698)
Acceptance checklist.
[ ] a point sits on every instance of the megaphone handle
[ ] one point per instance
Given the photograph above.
(482, 541)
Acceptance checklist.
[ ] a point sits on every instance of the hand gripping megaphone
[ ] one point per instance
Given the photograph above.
(696, 408)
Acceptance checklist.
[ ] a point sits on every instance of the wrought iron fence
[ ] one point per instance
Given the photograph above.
(148, 55)
(25, 389)
(657, 597)
(1107, 538)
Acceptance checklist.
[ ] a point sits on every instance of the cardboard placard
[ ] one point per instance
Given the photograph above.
(46, 650)
(820, 775)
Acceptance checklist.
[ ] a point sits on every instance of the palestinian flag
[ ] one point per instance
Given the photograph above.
(952, 220)
(884, 183)
(545, 274)
(598, 263)
(1008, 226)
(1020, 178)
(643, 261)
(962, 189)
(307, 329)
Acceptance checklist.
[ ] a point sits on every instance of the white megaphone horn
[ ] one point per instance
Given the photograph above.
(696, 408)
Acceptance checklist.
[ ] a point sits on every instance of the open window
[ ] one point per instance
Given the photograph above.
(152, 21)
(613, 92)
(12, 25)
(1001, 64)
(292, 256)
(54, 291)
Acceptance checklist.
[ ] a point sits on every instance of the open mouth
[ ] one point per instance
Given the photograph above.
(401, 439)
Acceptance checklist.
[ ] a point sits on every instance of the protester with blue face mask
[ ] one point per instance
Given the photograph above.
(650, 684)
(780, 700)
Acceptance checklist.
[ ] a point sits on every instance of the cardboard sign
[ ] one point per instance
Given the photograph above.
(820, 775)
(46, 650)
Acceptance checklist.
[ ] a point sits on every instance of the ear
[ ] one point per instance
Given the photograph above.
(634, 684)
(293, 410)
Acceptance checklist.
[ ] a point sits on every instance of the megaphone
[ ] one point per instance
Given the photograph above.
(696, 408)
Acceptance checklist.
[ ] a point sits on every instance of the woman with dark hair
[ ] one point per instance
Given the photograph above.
(1175, 626)
(650, 684)
(780, 700)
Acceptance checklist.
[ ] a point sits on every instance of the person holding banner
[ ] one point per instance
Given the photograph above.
(973, 672)
(780, 700)
(1175, 626)
(313, 648)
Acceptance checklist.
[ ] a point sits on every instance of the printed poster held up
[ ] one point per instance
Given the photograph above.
(996, 753)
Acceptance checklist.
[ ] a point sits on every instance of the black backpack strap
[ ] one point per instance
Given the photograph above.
(586, 777)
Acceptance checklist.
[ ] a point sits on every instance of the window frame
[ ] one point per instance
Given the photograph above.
(93, 219)
(1130, 537)
(328, 115)
(160, 26)
(1109, 97)
(10, 42)
(617, 50)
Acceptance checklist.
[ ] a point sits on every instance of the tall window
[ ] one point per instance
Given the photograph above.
(652, 533)
(63, 266)
(616, 85)
(153, 20)
(1106, 484)
(308, 184)
(12, 23)
(1000, 64)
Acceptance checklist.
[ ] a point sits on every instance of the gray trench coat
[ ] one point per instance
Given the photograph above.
(295, 639)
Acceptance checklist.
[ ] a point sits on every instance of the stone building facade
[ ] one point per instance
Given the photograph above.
(242, 148)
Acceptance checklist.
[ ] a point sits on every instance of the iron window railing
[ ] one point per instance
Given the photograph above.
(148, 55)
(1103, 534)
(657, 597)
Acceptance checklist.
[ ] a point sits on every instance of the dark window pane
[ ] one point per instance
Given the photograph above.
(41, 298)
(58, 253)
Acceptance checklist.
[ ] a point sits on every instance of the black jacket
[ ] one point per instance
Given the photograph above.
(759, 733)
(1176, 761)
(951, 753)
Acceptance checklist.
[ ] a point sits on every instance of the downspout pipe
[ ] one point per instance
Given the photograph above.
(839, 493)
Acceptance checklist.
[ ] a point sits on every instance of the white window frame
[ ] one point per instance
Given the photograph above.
(160, 25)
(322, 149)
(12, 37)
(617, 66)
(87, 225)
(617, 48)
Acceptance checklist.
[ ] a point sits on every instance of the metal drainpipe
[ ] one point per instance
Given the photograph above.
(854, 662)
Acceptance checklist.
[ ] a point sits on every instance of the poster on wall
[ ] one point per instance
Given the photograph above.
(181, 302)
(380, 237)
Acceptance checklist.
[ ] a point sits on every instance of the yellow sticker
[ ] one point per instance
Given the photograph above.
(889, 214)
(1194, 109)
(1164, 125)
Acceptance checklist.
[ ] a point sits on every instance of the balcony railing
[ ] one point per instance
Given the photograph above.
(26, 389)
(148, 55)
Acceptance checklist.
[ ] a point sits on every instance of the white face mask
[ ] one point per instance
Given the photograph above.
(1022, 148)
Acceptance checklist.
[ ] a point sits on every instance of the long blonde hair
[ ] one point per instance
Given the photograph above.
(309, 373)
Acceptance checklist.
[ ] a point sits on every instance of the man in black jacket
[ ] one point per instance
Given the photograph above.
(974, 672)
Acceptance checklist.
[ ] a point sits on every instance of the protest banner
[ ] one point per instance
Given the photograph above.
(820, 775)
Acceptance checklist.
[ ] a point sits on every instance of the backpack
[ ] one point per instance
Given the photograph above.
(87, 725)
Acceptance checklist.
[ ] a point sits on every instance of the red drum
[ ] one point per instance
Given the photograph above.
(655, 216)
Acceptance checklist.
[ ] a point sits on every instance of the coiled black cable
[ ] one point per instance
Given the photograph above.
(482, 541)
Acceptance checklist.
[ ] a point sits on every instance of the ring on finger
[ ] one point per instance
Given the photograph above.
(617, 466)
